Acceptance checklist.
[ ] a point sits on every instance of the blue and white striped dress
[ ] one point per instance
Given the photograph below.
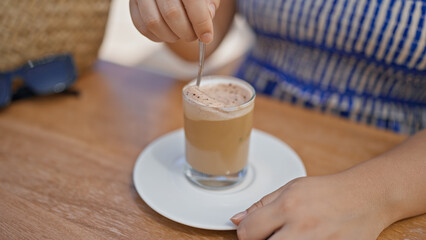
(361, 59)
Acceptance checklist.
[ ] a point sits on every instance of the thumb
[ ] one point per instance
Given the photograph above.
(237, 218)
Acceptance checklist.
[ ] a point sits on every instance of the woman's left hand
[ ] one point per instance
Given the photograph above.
(317, 208)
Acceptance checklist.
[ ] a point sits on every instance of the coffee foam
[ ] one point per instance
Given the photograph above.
(218, 98)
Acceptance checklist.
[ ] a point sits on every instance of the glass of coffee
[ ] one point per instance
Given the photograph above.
(218, 118)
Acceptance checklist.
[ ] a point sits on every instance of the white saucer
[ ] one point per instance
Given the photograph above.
(159, 180)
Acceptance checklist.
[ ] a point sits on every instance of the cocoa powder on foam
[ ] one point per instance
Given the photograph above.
(210, 100)
(218, 95)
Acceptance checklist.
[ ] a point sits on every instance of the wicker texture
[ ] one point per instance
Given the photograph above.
(33, 29)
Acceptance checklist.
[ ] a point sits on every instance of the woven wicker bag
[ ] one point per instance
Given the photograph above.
(33, 29)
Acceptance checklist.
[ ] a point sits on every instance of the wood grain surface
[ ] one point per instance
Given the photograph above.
(66, 162)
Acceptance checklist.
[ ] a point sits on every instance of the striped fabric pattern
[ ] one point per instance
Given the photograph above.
(360, 59)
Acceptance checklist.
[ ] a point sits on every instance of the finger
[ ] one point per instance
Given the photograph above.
(201, 21)
(237, 218)
(265, 200)
(175, 16)
(261, 223)
(282, 234)
(154, 22)
(213, 6)
(137, 21)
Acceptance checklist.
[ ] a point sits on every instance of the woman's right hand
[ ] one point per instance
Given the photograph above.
(172, 20)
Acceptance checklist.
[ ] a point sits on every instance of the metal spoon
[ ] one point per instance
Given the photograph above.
(202, 50)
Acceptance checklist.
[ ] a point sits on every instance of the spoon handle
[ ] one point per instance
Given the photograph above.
(202, 49)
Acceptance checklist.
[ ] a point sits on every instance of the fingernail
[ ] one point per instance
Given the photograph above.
(206, 37)
(212, 9)
(239, 216)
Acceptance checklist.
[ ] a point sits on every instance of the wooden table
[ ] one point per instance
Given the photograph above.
(66, 162)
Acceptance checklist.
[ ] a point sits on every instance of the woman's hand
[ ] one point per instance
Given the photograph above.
(171, 20)
(317, 208)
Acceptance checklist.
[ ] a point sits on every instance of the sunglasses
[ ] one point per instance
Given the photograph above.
(45, 76)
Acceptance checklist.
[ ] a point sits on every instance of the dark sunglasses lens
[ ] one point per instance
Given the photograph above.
(5, 90)
(51, 76)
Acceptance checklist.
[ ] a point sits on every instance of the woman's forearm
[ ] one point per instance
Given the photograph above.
(397, 178)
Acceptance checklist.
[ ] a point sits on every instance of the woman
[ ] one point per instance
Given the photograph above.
(364, 60)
